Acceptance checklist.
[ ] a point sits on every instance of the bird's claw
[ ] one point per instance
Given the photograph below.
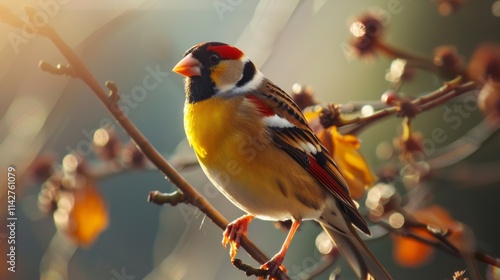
(273, 266)
(233, 233)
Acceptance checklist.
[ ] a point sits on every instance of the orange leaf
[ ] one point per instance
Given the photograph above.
(409, 252)
(82, 214)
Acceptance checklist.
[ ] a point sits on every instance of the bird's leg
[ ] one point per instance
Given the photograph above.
(275, 262)
(233, 233)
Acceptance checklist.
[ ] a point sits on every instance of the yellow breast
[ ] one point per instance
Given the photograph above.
(238, 156)
(223, 131)
(210, 123)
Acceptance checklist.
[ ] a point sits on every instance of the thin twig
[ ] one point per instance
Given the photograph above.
(423, 103)
(438, 243)
(367, 120)
(417, 60)
(459, 90)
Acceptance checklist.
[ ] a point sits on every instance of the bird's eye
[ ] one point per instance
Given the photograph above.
(214, 59)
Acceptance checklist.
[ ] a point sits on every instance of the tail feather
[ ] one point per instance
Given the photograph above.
(357, 254)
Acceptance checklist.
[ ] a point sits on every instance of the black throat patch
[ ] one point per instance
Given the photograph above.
(199, 88)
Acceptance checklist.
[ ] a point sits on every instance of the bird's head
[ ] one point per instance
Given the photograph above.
(214, 69)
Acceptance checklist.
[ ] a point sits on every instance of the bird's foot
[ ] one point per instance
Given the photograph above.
(273, 266)
(233, 233)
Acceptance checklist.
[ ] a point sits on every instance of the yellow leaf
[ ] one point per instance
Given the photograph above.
(345, 153)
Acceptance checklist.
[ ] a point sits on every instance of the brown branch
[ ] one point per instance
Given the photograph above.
(448, 94)
(446, 88)
(82, 72)
(249, 270)
(59, 69)
(173, 198)
(422, 104)
(359, 123)
(417, 60)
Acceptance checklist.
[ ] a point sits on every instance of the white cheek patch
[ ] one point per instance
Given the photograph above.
(276, 121)
(253, 84)
(233, 89)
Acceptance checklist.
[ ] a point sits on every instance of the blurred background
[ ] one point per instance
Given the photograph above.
(131, 41)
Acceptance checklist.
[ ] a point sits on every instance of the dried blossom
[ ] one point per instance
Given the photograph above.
(489, 101)
(303, 96)
(485, 63)
(407, 108)
(448, 60)
(410, 144)
(448, 7)
(366, 32)
(329, 115)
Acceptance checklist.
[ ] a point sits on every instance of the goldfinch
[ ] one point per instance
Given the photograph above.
(256, 147)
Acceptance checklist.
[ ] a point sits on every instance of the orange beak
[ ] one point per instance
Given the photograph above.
(188, 66)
